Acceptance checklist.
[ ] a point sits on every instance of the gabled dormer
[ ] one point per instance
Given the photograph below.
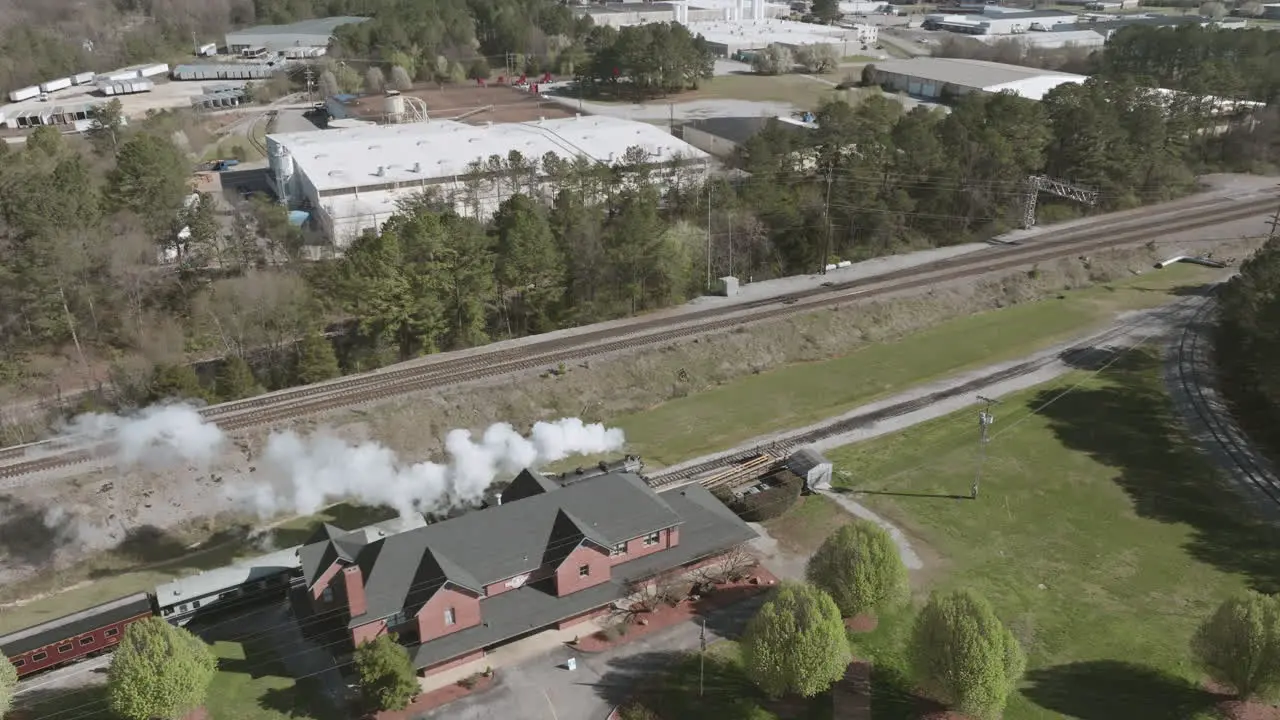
(527, 484)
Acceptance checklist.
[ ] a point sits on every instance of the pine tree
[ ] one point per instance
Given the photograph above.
(176, 382)
(235, 380)
(316, 360)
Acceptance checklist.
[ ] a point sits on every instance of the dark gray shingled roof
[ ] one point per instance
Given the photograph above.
(527, 484)
(498, 543)
(708, 528)
(326, 545)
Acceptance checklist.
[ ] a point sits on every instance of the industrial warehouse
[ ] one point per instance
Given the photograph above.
(939, 78)
(314, 33)
(351, 179)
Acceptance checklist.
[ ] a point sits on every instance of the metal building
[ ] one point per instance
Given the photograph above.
(278, 38)
(812, 466)
(220, 96)
(224, 71)
(934, 78)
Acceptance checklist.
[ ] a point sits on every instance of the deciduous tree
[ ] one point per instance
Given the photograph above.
(386, 675)
(1239, 644)
(859, 566)
(796, 643)
(818, 57)
(159, 671)
(964, 656)
(773, 60)
(8, 684)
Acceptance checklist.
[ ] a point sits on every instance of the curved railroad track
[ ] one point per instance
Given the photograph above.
(444, 371)
(784, 446)
(1191, 376)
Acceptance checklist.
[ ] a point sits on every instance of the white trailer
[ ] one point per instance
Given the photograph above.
(83, 78)
(153, 70)
(208, 50)
(25, 93)
(55, 85)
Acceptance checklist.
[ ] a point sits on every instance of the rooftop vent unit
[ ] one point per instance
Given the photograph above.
(417, 167)
(381, 171)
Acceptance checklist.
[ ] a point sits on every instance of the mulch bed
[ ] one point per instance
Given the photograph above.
(1240, 710)
(863, 623)
(197, 714)
(647, 623)
(435, 699)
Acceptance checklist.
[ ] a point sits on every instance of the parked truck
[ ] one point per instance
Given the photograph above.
(220, 165)
(55, 85)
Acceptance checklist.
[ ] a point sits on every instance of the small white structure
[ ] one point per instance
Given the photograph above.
(208, 50)
(811, 465)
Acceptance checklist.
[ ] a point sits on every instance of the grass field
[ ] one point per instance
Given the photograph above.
(1101, 536)
(798, 90)
(153, 557)
(249, 685)
(796, 395)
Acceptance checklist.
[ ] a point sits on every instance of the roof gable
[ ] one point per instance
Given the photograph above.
(527, 484)
(488, 546)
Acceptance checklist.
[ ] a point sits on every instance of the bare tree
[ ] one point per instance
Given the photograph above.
(400, 79)
(732, 566)
(1215, 10)
(649, 595)
(374, 80)
(329, 84)
(818, 57)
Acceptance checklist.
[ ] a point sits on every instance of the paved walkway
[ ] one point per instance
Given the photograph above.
(509, 655)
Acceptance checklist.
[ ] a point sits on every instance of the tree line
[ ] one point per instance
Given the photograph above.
(1248, 341)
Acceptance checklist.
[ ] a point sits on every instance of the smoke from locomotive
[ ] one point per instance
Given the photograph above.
(155, 436)
(302, 474)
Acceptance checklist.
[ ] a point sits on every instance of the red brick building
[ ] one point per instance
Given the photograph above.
(546, 556)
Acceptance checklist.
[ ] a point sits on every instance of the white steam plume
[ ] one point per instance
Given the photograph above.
(304, 474)
(154, 436)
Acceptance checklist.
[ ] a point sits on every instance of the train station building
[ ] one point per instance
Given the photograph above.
(547, 555)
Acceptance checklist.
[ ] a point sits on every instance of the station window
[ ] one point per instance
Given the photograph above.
(327, 595)
(86, 640)
(112, 632)
(450, 617)
(619, 549)
(584, 570)
(651, 539)
(39, 657)
(65, 648)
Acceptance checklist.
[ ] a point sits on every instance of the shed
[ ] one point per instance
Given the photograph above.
(812, 466)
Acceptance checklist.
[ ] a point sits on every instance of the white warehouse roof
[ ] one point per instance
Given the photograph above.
(763, 33)
(416, 152)
(993, 77)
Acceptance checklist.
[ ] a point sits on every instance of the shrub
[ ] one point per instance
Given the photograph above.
(964, 656)
(386, 675)
(859, 566)
(1239, 644)
(796, 643)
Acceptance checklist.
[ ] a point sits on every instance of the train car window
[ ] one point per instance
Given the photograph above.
(39, 657)
(65, 648)
(86, 640)
(182, 607)
(195, 604)
(112, 632)
(168, 611)
(19, 663)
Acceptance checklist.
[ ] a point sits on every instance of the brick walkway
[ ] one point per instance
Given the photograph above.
(851, 695)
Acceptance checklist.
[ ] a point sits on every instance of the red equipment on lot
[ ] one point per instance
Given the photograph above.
(74, 637)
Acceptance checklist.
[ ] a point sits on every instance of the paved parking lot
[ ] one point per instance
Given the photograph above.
(544, 689)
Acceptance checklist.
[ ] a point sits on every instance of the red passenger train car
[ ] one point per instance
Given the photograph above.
(74, 637)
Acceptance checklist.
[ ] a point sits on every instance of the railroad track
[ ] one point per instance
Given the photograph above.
(378, 385)
(1192, 380)
(1097, 354)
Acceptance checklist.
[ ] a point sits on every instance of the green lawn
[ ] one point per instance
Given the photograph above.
(720, 689)
(150, 558)
(800, 394)
(249, 685)
(1100, 535)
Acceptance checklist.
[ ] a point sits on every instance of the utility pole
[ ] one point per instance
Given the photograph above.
(310, 82)
(1274, 222)
(708, 235)
(985, 418)
(826, 248)
(702, 657)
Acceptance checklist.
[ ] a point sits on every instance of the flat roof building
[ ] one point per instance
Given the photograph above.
(279, 38)
(352, 179)
(934, 78)
(729, 37)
